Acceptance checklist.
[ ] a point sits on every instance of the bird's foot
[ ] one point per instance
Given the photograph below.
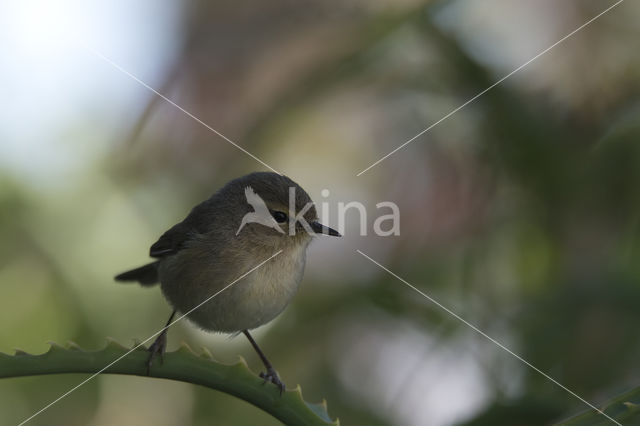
(157, 349)
(272, 376)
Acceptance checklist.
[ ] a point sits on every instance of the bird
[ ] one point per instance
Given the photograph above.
(223, 238)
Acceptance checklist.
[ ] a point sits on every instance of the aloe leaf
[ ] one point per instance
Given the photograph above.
(182, 365)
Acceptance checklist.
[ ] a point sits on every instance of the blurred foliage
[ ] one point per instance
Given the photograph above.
(624, 409)
(520, 213)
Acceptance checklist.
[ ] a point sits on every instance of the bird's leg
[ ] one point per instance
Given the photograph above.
(270, 375)
(159, 345)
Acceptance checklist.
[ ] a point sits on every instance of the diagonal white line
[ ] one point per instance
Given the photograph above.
(146, 340)
(492, 86)
(476, 329)
(142, 83)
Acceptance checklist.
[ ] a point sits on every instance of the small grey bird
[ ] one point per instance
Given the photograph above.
(218, 242)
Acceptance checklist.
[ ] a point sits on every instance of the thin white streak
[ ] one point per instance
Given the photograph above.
(142, 83)
(473, 327)
(492, 86)
(145, 341)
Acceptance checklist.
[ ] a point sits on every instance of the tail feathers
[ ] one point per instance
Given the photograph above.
(146, 275)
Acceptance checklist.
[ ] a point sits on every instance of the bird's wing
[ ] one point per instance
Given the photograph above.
(170, 242)
(256, 202)
(173, 240)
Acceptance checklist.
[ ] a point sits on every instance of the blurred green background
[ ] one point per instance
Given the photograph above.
(520, 212)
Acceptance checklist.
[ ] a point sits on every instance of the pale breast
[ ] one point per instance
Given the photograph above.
(249, 303)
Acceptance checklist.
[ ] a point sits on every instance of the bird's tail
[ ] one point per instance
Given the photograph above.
(146, 275)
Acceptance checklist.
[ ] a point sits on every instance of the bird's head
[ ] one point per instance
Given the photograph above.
(275, 209)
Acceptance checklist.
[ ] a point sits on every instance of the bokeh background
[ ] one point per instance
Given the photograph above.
(520, 212)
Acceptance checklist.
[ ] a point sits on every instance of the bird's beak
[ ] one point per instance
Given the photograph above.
(319, 228)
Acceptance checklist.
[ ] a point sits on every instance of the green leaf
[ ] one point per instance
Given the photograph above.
(624, 409)
(182, 365)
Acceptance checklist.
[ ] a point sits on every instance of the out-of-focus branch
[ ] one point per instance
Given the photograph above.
(623, 408)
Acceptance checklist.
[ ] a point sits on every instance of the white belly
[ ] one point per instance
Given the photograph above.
(250, 302)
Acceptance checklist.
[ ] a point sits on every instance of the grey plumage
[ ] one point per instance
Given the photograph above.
(218, 242)
(146, 275)
(200, 255)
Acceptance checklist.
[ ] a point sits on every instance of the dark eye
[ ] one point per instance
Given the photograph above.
(280, 217)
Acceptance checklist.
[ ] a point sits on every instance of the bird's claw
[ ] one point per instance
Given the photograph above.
(157, 348)
(272, 376)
